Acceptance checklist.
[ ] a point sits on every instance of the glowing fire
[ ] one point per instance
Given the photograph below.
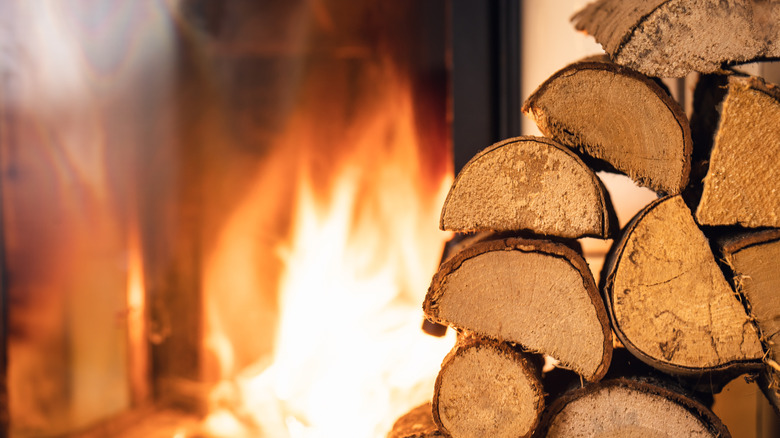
(349, 356)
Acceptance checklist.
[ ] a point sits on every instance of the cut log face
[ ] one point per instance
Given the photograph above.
(740, 186)
(486, 388)
(534, 293)
(528, 183)
(626, 408)
(669, 301)
(671, 38)
(417, 423)
(754, 260)
(617, 116)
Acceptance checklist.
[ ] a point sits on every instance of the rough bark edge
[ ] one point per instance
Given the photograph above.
(769, 379)
(417, 423)
(697, 409)
(466, 342)
(609, 221)
(735, 243)
(727, 370)
(583, 21)
(431, 308)
(592, 63)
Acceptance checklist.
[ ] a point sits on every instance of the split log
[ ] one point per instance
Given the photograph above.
(536, 293)
(529, 183)
(417, 423)
(754, 260)
(619, 117)
(486, 388)
(740, 186)
(671, 38)
(626, 407)
(669, 301)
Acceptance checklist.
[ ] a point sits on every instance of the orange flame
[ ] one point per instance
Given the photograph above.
(136, 318)
(349, 356)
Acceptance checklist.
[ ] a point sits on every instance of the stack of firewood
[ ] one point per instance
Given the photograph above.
(690, 285)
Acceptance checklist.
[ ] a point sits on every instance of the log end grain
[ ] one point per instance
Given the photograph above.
(528, 183)
(617, 116)
(625, 407)
(669, 300)
(486, 388)
(741, 184)
(535, 293)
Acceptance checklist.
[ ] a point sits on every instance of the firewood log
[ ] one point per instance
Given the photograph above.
(529, 183)
(754, 260)
(629, 408)
(536, 293)
(486, 388)
(741, 184)
(669, 301)
(670, 38)
(417, 423)
(619, 117)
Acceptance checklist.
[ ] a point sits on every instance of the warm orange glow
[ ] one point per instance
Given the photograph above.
(349, 356)
(136, 319)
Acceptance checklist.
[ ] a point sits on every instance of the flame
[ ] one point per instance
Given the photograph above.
(348, 356)
(136, 318)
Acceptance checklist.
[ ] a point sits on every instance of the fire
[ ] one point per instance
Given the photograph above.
(136, 317)
(348, 355)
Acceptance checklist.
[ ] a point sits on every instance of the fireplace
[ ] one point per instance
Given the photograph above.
(170, 167)
(219, 218)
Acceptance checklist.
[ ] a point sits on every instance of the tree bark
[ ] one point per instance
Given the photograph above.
(671, 38)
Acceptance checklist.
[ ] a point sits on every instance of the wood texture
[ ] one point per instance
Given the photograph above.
(528, 183)
(535, 293)
(754, 260)
(740, 185)
(670, 38)
(668, 299)
(486, 388)
(618, 117)
(417, 423)
(625, 407)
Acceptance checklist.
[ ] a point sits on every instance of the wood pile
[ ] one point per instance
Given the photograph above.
(690, 286)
